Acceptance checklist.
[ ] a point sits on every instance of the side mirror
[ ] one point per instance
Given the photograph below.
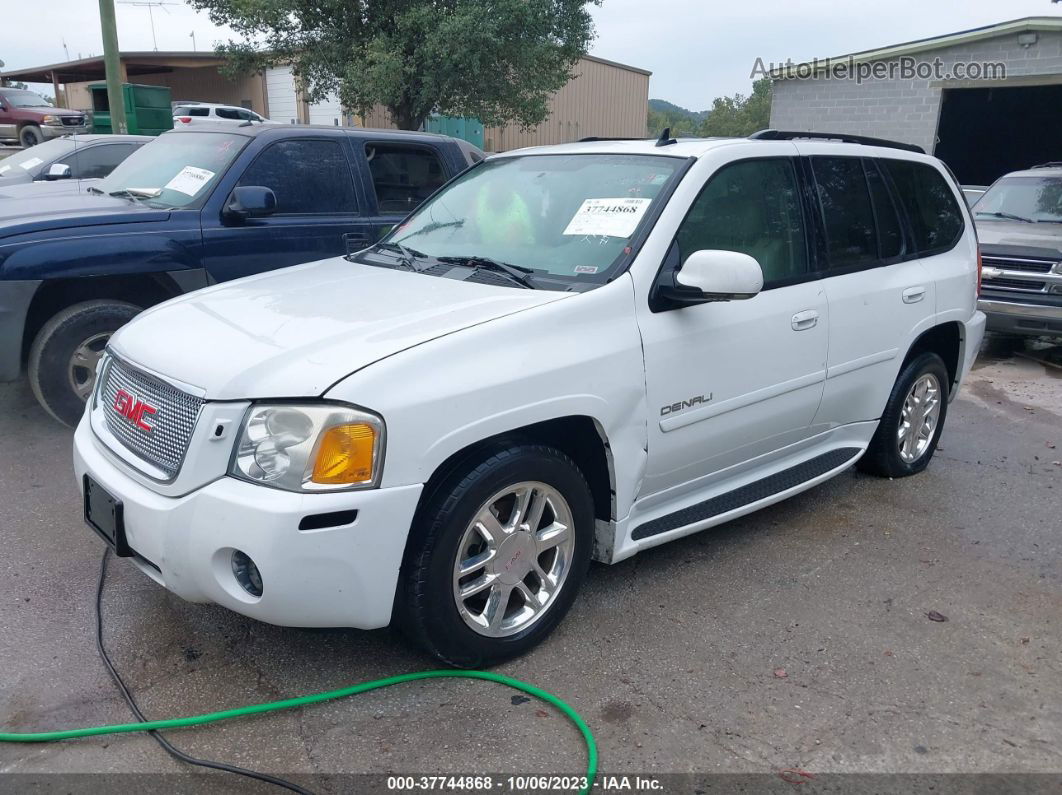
(709, 275)
(57, 171)
(250, 201)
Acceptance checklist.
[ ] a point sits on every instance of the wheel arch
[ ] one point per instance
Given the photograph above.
(580, 437)
(54, 295)
(947, 340)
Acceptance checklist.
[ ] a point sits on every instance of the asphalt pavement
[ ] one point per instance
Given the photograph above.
(799, 641)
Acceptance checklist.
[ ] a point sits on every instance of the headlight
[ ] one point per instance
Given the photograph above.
(309, 447)
(50, 119)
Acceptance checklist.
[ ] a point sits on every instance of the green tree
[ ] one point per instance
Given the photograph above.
(496, 60)
(740, 115)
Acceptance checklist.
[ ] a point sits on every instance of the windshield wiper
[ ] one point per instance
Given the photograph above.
(94, 189)
(405, 255)
(518, 273)
(1007, 216)
(136, 193)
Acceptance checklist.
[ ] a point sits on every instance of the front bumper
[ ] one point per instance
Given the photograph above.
(336, 577)
(1016, 317)
(59, 130)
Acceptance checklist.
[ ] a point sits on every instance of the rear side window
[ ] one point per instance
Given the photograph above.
(403, 176)
(935, 216)
(308, 176)
(890, 233)
(751, 206)
(851, 237)
(192, 111)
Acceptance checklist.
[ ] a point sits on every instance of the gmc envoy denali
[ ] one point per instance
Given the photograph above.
(570, 352)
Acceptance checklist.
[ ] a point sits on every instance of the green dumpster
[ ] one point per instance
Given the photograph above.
(147, 109)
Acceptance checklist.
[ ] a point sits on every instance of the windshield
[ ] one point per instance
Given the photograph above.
(567, 215)
(33, 157)
(175, 168)
(25, 99)
(1023, 198)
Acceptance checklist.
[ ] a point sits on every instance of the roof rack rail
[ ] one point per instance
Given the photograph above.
(592, 138)
(790, 135)
(1049, 164)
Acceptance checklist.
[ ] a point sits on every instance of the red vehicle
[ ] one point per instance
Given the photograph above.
(25, 116)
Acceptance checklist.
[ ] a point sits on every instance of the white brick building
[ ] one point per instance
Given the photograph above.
(982, 128)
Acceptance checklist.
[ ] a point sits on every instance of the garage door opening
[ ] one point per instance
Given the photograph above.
(986, 132)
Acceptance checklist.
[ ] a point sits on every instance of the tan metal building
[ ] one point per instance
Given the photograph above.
(604, 98)
(190, 76)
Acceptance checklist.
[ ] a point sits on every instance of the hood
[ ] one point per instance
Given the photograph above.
(16, 176)
(296, 331)
(58, 187)
(38, 210)
(1018, 234)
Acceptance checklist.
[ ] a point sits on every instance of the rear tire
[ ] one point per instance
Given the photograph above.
(30, 135)
(526, 512)
(912, 422)
(62, 361)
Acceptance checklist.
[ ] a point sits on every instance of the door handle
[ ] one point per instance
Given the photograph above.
(805, 320)
(912, 295)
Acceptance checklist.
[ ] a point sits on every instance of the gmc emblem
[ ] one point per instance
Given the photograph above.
(132, 409)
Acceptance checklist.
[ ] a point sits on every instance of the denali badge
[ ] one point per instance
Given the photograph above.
(132, 409)
(685, 404)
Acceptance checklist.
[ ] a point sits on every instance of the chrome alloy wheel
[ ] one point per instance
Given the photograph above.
(919, 418)
(84, 362)
(513, 559)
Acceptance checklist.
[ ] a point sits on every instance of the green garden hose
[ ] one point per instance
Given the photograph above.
(364, 687)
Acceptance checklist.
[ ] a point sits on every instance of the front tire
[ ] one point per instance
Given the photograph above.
(912, 422)
(64, 355)
(30, 135)
(496, 556)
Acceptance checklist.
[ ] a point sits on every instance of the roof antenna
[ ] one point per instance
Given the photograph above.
(665, 138)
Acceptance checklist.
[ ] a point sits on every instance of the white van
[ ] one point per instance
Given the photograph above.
(568, 352)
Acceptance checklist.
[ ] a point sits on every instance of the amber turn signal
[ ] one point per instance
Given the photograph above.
(346, 454)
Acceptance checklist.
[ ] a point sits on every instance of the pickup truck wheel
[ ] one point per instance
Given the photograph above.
(63, 358)
(913, 419)
(496, 556)
(30, 135)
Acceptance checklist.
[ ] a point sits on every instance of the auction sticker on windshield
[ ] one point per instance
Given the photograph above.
(189, 180)
(28, 164)
(608, 217)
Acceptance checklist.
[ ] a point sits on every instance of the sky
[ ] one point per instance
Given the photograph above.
(696, 49)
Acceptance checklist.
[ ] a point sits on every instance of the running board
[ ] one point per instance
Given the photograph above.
(748, 494)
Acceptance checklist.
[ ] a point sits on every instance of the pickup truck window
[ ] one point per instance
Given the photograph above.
(181, 166)
(403, 176)
(569, 215)
(1035, 198)
(309, 177)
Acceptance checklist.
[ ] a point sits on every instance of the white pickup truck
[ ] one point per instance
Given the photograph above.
(570, 352)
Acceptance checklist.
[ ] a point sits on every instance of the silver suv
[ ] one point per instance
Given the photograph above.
(1019, 224)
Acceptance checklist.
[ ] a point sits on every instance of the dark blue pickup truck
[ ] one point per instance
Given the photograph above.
(187, 210)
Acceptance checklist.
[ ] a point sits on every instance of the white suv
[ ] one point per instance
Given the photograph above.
(203, 113)
(569, 352)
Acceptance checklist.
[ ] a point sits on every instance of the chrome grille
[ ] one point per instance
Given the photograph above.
(1015, 264)
(171, 424)
(1021, 274)
(72, 121)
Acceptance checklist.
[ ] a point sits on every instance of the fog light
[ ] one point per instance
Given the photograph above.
(246, 573)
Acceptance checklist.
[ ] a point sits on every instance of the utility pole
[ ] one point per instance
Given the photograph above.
(112, 63)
